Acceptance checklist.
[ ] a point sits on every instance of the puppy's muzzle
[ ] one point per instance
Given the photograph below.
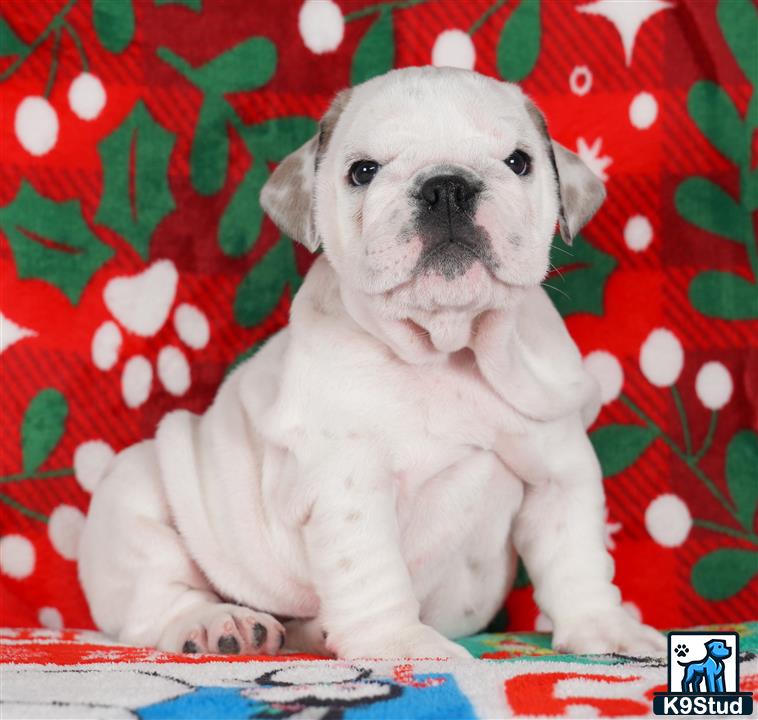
(448, 194)
(452, 242)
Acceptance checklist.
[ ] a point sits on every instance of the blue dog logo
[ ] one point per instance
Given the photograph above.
(709, 685)
(710, 669)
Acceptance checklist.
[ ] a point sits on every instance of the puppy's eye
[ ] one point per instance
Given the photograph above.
(519, 162)
(363, 172)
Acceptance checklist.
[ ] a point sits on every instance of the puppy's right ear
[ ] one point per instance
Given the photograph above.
(288, 195)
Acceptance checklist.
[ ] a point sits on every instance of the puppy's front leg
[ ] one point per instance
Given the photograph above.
(559, 533)
(367, 604)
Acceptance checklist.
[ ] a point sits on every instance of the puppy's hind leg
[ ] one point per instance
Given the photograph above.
(142, 586)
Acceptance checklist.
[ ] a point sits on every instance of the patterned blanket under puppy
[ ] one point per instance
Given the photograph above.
(80, 674)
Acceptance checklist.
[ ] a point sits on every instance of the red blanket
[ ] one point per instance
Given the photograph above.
(137, 265)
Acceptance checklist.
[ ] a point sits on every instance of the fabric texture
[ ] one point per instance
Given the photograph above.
(52, 674)
(137, 265)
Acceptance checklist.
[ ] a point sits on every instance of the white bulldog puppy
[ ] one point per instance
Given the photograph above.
(370, 475)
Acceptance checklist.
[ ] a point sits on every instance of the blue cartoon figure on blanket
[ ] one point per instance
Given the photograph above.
(318, 691)
(710, 669)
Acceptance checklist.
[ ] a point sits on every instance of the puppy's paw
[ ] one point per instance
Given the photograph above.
(609, 631)
(306, 636)
(418, 641)
(225, 629)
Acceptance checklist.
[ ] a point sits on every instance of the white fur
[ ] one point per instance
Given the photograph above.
(373, 470)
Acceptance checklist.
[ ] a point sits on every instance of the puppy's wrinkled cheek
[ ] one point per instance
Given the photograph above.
(390, 262)
(520, 254)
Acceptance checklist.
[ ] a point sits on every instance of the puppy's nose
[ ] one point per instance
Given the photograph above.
(448, 191)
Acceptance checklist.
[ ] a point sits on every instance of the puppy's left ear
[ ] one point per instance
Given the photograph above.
(287, 196)
(580, 191)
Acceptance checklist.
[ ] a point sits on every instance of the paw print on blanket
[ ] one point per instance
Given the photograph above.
(681, 650)
(142, 304)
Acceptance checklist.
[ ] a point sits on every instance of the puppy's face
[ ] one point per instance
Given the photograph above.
(437, 188)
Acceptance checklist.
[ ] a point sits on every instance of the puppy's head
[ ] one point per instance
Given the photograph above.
(438, 188)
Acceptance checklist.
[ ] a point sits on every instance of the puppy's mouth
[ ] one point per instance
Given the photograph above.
(451, 257)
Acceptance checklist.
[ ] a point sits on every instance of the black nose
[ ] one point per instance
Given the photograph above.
(448, 191)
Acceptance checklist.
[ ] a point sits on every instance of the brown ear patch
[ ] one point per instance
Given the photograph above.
(580, 192)
(287, 196)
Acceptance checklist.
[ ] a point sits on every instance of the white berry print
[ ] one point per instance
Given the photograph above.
(606, 369)
(91, 460)
(714, 385)
(668, 520)
(36, 125)
(661, 358)
(64, 529)
(638, 233)
(36, 122)
(643, 111)
(86, 96)
(454, 48)
(17, 556)
(321, 25)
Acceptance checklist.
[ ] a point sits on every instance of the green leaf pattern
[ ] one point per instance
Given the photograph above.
(376, 52)
(619, 446)
(10, 43)
(581, 274)
(742, 475)
(244, 67)
(51, 241)
(210, 148)
(717, 118)
(703, 203)
(723, 573)
(267, 141)
(261, 289)
(723, 294)
(42, 427)
(519, 44)
(114, 23)
(196, 5)
(709, 207)
(136, 195)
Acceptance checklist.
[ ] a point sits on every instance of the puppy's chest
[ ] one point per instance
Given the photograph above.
(454, 415)
(457, 407)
